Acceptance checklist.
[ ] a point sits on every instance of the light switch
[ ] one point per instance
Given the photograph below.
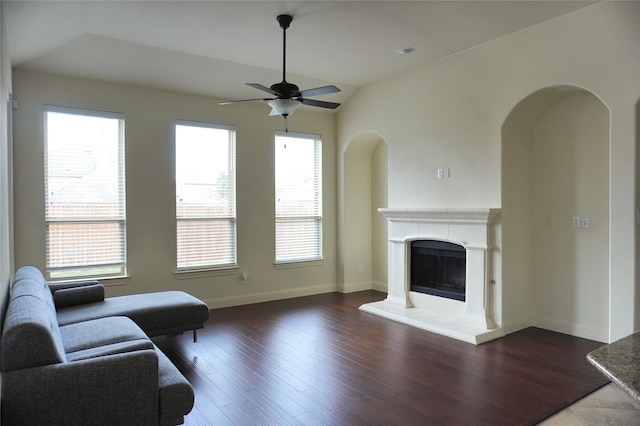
(576, 221)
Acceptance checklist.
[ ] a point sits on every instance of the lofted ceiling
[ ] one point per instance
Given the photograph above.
(212, 48)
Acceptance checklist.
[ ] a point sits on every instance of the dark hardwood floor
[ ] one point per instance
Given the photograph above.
(319, 360)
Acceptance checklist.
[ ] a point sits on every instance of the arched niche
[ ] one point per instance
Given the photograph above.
(364, 231)
(555, 213)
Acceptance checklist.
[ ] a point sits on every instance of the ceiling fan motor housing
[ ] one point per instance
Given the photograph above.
(286, 90)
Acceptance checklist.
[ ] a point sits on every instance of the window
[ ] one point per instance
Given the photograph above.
(205, 196)
(84, 194)
(298, 185)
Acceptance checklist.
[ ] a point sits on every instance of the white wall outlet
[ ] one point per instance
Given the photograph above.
(440, 173)
(244, 278)
(360, 268)
(585, 221)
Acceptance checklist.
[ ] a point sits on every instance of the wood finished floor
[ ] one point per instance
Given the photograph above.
(317, 360)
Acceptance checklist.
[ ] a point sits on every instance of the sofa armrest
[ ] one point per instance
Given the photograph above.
(121, 389)
(79, 295)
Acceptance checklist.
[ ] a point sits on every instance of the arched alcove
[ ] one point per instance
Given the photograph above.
(555, 213)
(364, 231)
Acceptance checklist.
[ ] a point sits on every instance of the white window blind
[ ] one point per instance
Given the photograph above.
(205, 196)
(298, 204)
(84, 193)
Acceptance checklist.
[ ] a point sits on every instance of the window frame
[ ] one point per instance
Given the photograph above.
(53, 273)
(232, 219)
(288, 261)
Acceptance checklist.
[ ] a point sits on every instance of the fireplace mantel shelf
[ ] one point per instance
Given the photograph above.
(458, 215)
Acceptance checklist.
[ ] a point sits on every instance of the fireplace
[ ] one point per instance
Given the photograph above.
(438, 268)
(468, 313)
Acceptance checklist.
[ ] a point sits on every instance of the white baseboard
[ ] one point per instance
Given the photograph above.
(557, 326)
(572, 329)
(380, 286)
(353, 287)
(247, 299)
(513, 326)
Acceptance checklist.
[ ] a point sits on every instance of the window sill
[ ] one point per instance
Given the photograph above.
(298, 264)
(202, 273)
(106, 281)
(113, 281)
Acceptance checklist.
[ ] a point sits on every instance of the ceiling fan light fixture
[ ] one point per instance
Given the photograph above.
(284, 107)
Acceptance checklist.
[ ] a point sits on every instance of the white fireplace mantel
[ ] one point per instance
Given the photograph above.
(470, 320)
(481, 216)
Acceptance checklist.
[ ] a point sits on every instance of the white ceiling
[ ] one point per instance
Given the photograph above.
(213, 47)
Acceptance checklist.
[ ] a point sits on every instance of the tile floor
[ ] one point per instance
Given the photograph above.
(608, 405)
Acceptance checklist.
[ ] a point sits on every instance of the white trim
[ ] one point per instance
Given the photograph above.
(297, 263)
(353, 287)
(226, 302)
(187, 274)
(193, 123)
(83, 111)
(572, 329)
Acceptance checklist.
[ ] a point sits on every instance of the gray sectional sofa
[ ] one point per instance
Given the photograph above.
(61, 367)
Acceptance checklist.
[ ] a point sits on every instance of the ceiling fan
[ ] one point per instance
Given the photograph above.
(287, 96)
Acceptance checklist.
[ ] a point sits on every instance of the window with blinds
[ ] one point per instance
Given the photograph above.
(298, 203)
(205, 196)
(84, 194)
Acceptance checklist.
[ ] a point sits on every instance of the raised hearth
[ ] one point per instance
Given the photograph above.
(470, 320)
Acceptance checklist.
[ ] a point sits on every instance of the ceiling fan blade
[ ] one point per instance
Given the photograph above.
(321, 104)
(324, 90)
(263, 88)
(245, 100)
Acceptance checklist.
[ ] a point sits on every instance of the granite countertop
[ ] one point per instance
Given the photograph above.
(620, 362)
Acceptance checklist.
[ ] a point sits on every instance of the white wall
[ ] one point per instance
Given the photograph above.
(6, 226)
(379, 225)
(451, 114)
(150, 116)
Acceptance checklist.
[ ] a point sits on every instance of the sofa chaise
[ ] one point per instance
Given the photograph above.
(157, 314)
(99, 369)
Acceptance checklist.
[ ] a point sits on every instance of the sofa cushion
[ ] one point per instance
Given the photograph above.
(35, 288)
(100, 332)
(29, 272)
(31, 337)
(110, 349)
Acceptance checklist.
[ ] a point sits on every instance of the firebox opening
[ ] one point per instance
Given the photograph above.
(438, 268)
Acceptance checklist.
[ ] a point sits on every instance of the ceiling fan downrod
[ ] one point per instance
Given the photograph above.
(284, 21)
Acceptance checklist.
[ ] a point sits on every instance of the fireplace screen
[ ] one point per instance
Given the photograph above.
(438, 268)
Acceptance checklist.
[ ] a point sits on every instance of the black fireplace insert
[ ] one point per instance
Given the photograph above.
(438, 268)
